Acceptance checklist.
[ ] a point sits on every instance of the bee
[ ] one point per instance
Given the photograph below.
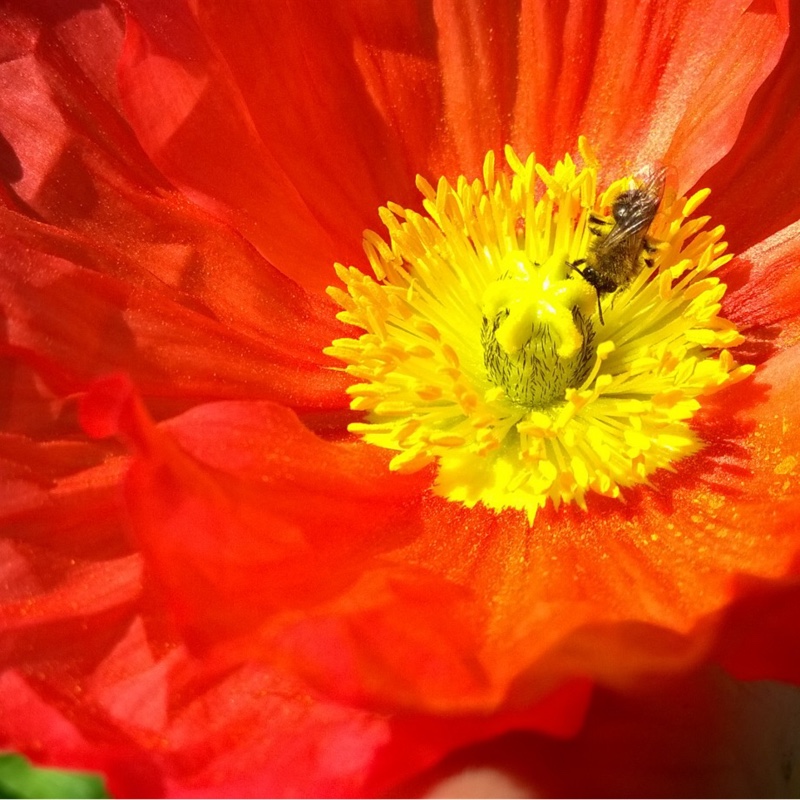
(619, 249)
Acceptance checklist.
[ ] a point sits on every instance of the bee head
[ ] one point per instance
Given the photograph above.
(602, 283)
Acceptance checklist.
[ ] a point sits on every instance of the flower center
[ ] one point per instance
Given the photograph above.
(535, 339)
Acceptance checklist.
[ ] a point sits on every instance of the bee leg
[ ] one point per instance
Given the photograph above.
(574, 265)
(599, 307)
(650, 249)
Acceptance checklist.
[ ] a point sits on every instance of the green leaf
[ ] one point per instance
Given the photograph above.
(18, 778)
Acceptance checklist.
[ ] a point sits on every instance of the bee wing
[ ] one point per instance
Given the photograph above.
(632, 228)
(642, 209)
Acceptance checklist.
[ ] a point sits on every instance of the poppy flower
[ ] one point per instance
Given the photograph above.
(501, 454)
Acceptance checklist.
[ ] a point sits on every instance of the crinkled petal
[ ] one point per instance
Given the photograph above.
(763, 297)
(69, 578)
(351, 589)
(756, 187)
(92, 323)
(87, 195)
(273, 547)
(88, 683)
(156, 725)
(667, 82)
(196, 89)
(264, 534)
(156, 721)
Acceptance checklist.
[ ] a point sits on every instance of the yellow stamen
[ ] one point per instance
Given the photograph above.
(483, 349)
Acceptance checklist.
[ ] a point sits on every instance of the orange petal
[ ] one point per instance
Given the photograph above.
(91, 323)
(634, 586)
(397, 39)
(668, 83)
(757, 185)
(763, 297)
(305, 149)
(477, 51)
(108, 209)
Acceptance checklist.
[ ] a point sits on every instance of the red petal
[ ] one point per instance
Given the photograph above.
(320, 168)
(33, 392)
(668, 82)
(71, 158)
(292, 523)
(757, 185)
(125, 702)
(702, 735)
(101, 693)
(421, 740)
(752, 641)
(477, 49)
(92, 323)
(272, 543)
(160, 726)
(401, 39)
(157, 722)
(109, 211)
(68, 577)
(763, 297)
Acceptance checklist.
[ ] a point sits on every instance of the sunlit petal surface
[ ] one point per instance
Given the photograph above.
(266, 537)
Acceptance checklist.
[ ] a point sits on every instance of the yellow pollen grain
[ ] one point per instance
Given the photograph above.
(786, 466)
(483, 352)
